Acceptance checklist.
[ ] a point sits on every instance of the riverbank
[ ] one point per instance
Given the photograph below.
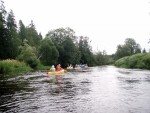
(10, 68)
(139, 61)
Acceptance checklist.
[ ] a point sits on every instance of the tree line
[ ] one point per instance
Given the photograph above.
(129, 48)
(60, 45)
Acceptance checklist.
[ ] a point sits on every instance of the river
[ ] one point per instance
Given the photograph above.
(104, 89)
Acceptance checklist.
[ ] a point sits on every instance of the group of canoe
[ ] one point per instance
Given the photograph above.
(60, 70)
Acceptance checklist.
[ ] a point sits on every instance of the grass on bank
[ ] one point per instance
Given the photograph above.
(140, 61)
(12, 67)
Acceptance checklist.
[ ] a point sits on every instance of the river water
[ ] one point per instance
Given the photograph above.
(105, 89)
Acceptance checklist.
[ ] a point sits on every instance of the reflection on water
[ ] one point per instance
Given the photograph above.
(101, 90)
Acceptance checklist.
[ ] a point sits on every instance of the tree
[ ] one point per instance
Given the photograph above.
(121, 51)
(87, 56)
(69, 53)
(65, 41)
(22, 31)
(129, 48)
(32, 35)
(28, 55)
(11, 24)
(13, 35)
(40, 36)
(102, 58)
(144, 50)
(3, 13)
(137, 49)
(58, 36)
(132, 46)
(4, 34)
(77, 56)
(48, 52)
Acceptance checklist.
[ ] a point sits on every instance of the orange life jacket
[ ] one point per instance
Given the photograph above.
(58, 68)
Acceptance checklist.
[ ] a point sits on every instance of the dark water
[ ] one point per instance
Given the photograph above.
(101, 90)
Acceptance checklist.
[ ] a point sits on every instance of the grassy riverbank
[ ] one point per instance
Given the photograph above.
(12, 67)
(140, 61)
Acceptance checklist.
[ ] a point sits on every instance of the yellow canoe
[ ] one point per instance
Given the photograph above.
(56, 72)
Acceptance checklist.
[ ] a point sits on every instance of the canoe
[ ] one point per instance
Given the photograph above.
(56, 72)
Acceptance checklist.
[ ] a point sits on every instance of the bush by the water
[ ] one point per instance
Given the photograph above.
(28, 55)
(13, 67)
(140, 61)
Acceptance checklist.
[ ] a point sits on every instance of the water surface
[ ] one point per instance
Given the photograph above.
(105, 89)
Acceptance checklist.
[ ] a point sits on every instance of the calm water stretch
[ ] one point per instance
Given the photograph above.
(100, 90)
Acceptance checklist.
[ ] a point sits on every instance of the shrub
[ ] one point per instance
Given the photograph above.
(146, 60)
(13, 67)
(28, 55)
(122, 62)
(141, 61)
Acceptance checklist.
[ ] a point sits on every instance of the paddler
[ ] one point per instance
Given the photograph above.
(58, 67)
(52, 68)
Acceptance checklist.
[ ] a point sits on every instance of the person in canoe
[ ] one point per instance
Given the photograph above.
(70, 66)
(52, 68)
(58, 67)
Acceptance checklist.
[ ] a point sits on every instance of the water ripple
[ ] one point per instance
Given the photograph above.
(104, 89)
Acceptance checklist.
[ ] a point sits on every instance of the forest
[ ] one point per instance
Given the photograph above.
(60, 45)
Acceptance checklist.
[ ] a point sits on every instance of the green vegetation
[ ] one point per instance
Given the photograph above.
(140, 61)
(58, 46)
(129, 55)
(130, 47)
(103, 59)
(42, 67)
(11, 67)
(47, 52)
(62, 45)
(28, 55)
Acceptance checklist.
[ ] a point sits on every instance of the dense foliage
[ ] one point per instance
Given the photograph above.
(48, 54)
(103, 59)
(12, 67)
(60, 45)
(129, 48)
(28, 55)
(141, 61)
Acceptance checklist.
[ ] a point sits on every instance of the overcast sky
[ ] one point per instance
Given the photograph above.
(106, 22)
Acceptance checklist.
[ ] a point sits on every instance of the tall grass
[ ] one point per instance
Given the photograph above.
(11, 67)
(140, 61)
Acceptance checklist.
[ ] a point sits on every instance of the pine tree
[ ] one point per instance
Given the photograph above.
(4, 37)
(22, 31)
(32, 35)
(13, 35)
